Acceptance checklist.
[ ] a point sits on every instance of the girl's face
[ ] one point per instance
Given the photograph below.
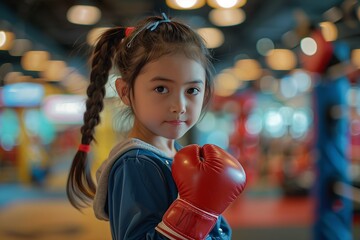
(168, 97)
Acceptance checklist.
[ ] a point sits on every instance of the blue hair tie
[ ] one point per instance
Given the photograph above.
(151, 26)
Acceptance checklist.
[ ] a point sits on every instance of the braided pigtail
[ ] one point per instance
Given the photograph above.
(80, 185)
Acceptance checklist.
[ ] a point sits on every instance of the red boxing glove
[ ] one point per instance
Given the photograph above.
(208, 180)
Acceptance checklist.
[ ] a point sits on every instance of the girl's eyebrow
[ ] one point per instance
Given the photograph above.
(164, 79)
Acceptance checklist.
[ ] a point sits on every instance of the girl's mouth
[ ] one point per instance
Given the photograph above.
(175, 122)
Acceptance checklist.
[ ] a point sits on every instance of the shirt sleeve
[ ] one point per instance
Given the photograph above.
(221, 230)
(137, 199)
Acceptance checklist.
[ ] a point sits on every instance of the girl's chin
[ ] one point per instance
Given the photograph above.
(174, 136)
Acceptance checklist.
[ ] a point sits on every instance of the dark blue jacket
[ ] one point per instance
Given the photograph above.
(140, 188)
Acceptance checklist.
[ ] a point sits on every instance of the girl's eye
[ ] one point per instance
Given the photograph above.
(161, 90)
(193, 91)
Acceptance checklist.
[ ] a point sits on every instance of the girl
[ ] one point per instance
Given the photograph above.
(166, 83)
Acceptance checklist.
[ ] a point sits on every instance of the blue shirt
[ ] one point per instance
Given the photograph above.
(140, 190)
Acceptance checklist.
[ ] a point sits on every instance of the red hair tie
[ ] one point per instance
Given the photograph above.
(84, 148)
(129, 30)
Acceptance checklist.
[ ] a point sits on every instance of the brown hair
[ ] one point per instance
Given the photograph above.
(129, 55)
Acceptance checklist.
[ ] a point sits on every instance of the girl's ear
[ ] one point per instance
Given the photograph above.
(122, 90)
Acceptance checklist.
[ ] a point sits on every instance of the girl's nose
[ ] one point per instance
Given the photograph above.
(178, 104)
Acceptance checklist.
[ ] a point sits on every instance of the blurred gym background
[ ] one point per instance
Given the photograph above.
(287, 105)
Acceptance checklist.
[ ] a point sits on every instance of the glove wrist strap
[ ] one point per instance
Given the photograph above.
(185, 221)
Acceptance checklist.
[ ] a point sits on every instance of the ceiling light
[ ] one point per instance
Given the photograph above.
(35, 60)
(54, 71)
(185, 4)
(213, 37)
(83, 14)
(226, 3)
(6, 40)
(308, 46)
(227, 17)
(329, 31)
(281, 59)
(226, 83)
(247, 69)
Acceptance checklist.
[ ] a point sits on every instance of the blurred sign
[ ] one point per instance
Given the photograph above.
(65, 109)
(23, 94)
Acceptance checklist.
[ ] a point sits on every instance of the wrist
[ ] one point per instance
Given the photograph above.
(185, 221)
